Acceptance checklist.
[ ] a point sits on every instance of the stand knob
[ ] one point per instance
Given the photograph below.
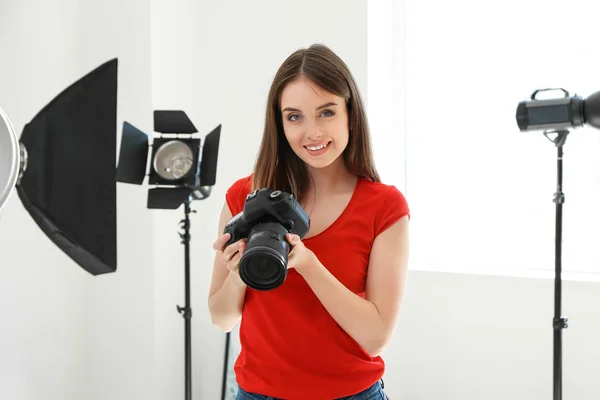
(560, 323)
(186, 312)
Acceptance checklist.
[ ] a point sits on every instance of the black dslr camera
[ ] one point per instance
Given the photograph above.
(267, 217)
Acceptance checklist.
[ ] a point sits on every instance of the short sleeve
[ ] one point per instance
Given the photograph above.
(236, 194)
(393, 207)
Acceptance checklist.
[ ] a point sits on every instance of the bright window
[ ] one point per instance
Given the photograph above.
(444, 82)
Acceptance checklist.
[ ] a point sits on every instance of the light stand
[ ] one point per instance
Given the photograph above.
(186, 311)
(558, 322)
(181, 176)
(558, 115)
(225, 365)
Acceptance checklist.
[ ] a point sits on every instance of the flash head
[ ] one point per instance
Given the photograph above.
(558, 113)
(174, 160)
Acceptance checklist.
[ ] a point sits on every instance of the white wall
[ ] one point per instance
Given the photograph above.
(488, 337)
(66, 335)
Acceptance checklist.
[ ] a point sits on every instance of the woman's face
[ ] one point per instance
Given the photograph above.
(315, 122)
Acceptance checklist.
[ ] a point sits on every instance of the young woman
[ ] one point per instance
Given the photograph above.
(319, 335)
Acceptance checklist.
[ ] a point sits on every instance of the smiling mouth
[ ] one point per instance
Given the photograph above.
(317, 148)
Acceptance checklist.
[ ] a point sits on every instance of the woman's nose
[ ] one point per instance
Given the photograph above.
(313, 131)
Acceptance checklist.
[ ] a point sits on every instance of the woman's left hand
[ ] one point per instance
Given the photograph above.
(300, 258)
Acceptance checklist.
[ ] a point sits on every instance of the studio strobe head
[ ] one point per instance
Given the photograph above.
(558, 113)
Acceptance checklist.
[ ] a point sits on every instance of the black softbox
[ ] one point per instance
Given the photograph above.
(69, 188)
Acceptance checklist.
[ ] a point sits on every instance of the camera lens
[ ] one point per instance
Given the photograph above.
(263, 265)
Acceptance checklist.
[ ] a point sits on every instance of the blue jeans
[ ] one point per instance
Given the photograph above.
(375, 392)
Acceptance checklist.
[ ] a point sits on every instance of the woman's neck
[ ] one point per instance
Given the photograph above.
(332, 178)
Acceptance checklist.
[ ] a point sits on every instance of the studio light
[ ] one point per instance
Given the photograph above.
(558, 113)
(179, 176)
(63, 169)
(173, 160)
(175, 169)
(556, 117)
(65, 172)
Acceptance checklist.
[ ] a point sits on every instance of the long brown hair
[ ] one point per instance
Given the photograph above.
(277, 166)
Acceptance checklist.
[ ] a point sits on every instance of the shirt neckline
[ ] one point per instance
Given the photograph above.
(343, 213)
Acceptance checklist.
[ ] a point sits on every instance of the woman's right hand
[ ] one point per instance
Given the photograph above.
(231, 254)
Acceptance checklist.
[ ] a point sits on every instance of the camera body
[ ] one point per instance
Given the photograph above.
(268, 215)
(266, 205)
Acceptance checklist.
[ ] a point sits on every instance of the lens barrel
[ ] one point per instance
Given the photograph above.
(263, 265)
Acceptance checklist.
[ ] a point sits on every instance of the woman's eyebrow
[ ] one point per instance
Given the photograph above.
(318, 108)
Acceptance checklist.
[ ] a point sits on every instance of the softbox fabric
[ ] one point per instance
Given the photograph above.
(69, 188)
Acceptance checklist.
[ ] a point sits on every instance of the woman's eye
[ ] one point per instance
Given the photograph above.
(296, 117)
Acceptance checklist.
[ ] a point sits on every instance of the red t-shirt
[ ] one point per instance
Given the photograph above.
(291, 347)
